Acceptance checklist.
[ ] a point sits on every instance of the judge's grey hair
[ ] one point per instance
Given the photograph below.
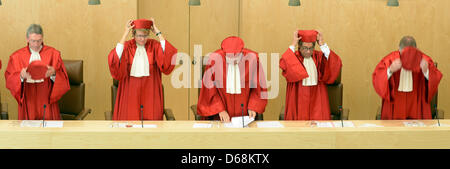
(407, 41)
(35, 28)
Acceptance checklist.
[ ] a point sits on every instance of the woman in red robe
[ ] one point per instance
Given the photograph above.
(137, 64)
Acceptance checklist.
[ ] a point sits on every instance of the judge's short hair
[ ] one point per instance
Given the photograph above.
(407, 41)
(144, 30)
(35, 28)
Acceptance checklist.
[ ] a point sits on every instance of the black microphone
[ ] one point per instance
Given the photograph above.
(242, 110)
(342, 121)
(142, 115)
(437, 115)
(43, 119)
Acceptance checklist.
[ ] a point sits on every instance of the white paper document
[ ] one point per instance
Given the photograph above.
(370, 125)
(236, 122)
(414, 124)
(127, 125)
(31, 123)
(269, 124)
(54, 124)
(202, 125)
(321, 124)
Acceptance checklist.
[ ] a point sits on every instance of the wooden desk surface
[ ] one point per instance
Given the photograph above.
(182, 135)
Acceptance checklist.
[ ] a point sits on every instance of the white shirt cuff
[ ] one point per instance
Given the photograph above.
(292, 48)
(119, 50)
(326, 50)
(427, 74)
(163, 44)
(389, 74)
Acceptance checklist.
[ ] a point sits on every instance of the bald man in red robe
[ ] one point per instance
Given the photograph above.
(137, 64)
(307, 73)
(406, 80)
(34, 96)
(233, 83)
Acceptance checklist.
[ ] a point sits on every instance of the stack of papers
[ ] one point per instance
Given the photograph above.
(370, 125)
(126, 125)
(236, 122)
(54, 124)
(202, 125)
(31, 123)
(414, 124)
(269, 124)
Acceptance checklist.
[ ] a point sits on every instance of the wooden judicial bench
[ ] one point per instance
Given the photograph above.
(182, 135)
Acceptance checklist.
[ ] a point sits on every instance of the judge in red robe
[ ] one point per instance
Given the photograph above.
(307, 73)
(406, 80)
(36, 95)
(137, 64)
(233, 83)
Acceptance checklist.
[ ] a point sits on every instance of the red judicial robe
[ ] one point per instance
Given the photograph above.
(308, 102)
(253, 95)
(136, 91)
(31, 97)
(405, 105)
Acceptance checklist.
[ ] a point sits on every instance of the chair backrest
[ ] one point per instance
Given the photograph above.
(72, 103)
(335, 97)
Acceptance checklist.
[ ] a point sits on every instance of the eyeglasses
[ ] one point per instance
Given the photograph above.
(141, 36)
(36, 41)
(306, 48)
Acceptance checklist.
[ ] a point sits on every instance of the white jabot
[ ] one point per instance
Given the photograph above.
(311, 69)
(406, 81)
(35, 56)
(140, 66)
(233, 76)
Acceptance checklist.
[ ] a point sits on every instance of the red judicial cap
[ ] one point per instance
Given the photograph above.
(142, 24)
(411, 58)
(37, 69)
(308, 35)
(232, 44)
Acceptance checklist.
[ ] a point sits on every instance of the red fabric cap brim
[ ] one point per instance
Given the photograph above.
(308, 35)
(411, 58)
(142, 24)
(232, 44)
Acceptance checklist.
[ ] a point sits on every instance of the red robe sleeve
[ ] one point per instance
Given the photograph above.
(164, 59)
(61, 84)
(258, 96)
(12, 77)
(331, 68)
(434, 77)
(118, 71)
(210, 102)
(291, 67)
(380, 80)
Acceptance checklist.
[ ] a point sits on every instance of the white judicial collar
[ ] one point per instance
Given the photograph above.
(233, 75)
(140, 66)
(311, 69)
(406, 81)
